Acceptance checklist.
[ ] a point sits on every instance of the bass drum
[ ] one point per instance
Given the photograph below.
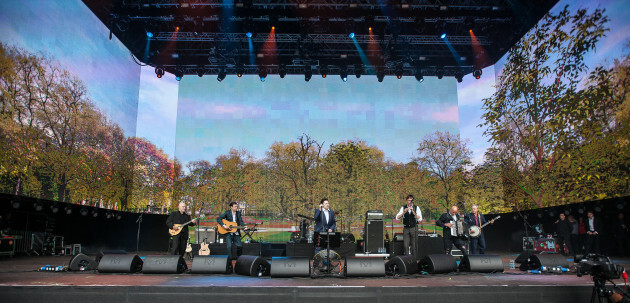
(474, 231)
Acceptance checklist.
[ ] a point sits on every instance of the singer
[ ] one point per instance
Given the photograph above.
(410, 215)
(324, 217)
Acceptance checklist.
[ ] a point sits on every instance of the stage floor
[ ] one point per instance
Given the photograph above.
(20, 280)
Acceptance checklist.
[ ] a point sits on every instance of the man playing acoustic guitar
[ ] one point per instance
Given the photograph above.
(233, 234)
(176, 222)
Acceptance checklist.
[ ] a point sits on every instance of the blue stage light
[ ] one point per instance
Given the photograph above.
(351, 35)
(149, 35)
(248, 34)
(443, 36)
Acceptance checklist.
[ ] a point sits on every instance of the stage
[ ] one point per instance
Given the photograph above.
(21, 282)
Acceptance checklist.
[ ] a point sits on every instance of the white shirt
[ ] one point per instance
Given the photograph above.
(591, 224)
(326, 215)
(402, 210)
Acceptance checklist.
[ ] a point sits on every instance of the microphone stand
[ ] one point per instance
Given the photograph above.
(139, 221)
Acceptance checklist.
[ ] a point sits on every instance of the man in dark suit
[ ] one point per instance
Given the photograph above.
(179, 241)
(593, 229)
(448, 222)
(324, 217)
(563, 230)
(475, 218)
(234, 237)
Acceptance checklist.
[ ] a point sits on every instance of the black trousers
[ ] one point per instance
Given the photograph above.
(178, 244)
(449, 241)
(410, 238)
(565, 239)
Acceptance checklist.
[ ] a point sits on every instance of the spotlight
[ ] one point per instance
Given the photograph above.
(399, 72)
(16, 203)
(459, 76)
(118, 216)
(149, 35)
(38, 206)
(477, 73)
(351, 35)
(179, 75)
(54, 208)
(109, 215)
(68, 210)
(84, 211)
(249, 34)
(419, 76)
(443, 36)
(95, 213)
(221, 75)
(159, 72)
(200, 72)
(380, 75)
(324, 71)
(282, 71)
(343, 75)
(439, 73)
(358, 69)
(239, 71)
(262, 74)
(308, 74)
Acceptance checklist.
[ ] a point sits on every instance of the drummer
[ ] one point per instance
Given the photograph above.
(475, 218)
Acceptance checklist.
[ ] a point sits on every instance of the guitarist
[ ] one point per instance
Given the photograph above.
(232, 215)
(475, 218)
(179, 241)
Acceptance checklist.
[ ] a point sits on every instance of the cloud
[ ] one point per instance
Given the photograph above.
(471, 93)
(449, 114)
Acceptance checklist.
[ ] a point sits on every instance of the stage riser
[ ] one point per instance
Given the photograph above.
(469, 294)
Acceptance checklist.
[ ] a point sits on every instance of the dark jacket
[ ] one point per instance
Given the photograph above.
(563, 228)
(470, 219)
(445, 218)
(597, 223)
(178, 218)
(320, 221)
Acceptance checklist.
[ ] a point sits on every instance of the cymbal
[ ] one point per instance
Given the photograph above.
(305, 217)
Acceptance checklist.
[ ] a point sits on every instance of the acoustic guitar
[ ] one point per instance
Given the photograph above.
(204, 250)
(232, 227)
(177, 228)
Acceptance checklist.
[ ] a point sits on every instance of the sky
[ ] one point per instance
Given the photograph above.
(69, 32)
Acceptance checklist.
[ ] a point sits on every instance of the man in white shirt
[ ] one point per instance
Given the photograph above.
(410, 215)
(324, 217)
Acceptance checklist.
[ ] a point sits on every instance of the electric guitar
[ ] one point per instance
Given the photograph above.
(177, 228)
(475, 231)
(232, 227)
(204, 250)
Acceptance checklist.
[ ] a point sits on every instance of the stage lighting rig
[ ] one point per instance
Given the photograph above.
(419, 75)
(343, 74)
(239, 70)
(380, 75)
(84, 211)
(323, 71)
(262, 74)
(459, 76)
(439, 73)
(308, 73)
(398, 72)
(38, 206)
(282, 71)
(54, 208)
(179, 75)
(16, 203)
(358, 70)
(68, 210)
(200, 72)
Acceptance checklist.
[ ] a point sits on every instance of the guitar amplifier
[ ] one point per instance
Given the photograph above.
(205, 234)
(545, 244)
(374, 215)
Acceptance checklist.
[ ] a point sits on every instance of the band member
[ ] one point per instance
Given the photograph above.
(324, 217)
(563, 230)
(593, 230)
(452, 236)
(179, 241)
(232, 215)
(410, 215)
(475, 218)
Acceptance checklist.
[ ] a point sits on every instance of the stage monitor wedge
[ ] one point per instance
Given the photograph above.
(286, 267)
(120, 264)
(166, 264)
(254, 266)
(402, 265)
(547, 260)
(81, 262)
(364, 267)
(481, 263)
(212, 265)
(438, 264)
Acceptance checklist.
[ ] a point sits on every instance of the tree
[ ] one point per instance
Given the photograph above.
(539, 113)
(442, 154)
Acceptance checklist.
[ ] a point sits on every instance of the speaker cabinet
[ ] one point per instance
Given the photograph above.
(481, 263)
(164, 265)
(525, 255)
(206, 234)
(374, 236)
(396, 248)
(81, 262)
(251, 266)
(438, 264)
(364, 267)
(402, 265)
(120, 264)
(211, 265)
(283, 267)
(547, 260)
